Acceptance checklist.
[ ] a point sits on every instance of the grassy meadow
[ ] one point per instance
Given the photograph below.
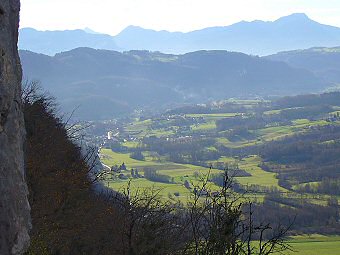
(314, 245)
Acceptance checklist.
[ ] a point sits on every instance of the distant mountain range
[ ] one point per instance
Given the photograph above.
(52, 42)
(108, 83)
(324, 62)
(296, 31)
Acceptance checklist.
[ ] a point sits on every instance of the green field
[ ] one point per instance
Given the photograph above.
(212, 116)
(312, 245)
(143, 129)
(181, 172)
(259, 176)
(165, 190)
(210, 125)
(299, 125)
(236, 144)
(271, 133)
(178, 172)
(315, 245)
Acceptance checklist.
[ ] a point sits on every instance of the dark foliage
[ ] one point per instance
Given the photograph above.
(129, 80)
(152, 175)
(308, 218)
(325, 186)
(137, 155)
(308, 100)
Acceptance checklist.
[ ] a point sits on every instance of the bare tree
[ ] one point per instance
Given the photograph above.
(213, 222)
(150, 224)
(220, 225)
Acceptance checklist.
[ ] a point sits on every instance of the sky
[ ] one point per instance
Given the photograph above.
(112, 16)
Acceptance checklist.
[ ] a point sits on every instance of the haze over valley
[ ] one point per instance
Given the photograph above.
(107, 83)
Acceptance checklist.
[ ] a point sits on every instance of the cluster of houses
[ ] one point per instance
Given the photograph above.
(333, 117)
(117, 171)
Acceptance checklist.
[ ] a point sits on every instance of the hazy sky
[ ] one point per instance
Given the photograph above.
(111, 16)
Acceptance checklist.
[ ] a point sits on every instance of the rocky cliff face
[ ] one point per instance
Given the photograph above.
(14, 207)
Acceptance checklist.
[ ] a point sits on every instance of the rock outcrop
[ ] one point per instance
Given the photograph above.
(14, 206)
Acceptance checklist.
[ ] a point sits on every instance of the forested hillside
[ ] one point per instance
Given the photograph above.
(324, 62)
(107, 83)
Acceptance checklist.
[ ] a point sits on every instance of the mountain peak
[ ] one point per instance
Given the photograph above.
(90, 31)
(294, 17)
(133, 28)
(30, 29)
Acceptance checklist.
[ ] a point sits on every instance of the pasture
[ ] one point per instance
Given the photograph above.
(315, 245)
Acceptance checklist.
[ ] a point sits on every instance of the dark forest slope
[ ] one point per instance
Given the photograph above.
(108, 83)
(324, 62)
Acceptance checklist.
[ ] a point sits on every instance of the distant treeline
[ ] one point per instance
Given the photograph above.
(199, 109)
(183, 150)
(329, 186)
(308, 218)
(151, 174)
(332, 98)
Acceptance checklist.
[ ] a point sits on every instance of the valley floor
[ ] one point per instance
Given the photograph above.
(284, 159)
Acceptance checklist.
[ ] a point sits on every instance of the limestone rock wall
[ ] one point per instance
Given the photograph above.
(14, 207)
